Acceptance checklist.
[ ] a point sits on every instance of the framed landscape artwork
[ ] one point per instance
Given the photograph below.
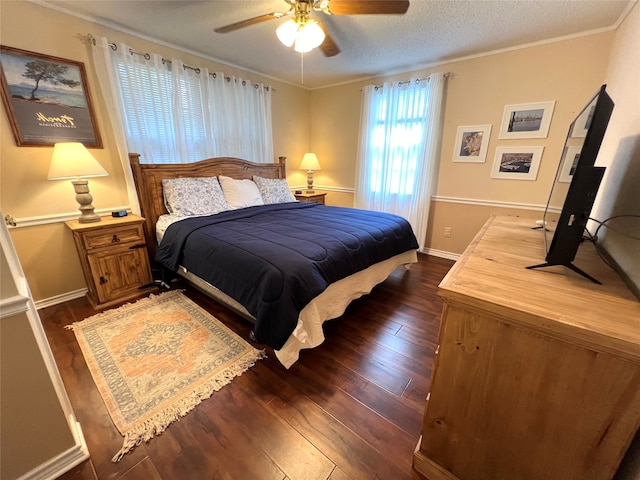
(471, 143)
(46, 99)
(526, 120)
(569, 163)
(516, 163)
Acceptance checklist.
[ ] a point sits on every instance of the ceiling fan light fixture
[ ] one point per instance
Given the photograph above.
(310, 35)
(287, 32)
(303, 34)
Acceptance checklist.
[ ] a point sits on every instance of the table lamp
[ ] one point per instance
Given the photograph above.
(310, 163)
(73, 160)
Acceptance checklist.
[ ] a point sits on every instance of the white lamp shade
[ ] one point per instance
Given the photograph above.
(309, 36)
(73, 160)
(287, 32)
(310, 162)
(304, 35)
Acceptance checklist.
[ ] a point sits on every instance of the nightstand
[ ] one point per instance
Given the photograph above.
(311, 197)
(114, 259)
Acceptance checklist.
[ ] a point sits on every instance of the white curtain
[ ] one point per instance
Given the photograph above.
(173, 113)
(400, 134)
(145, 92)
(238, 109)
(109, 88)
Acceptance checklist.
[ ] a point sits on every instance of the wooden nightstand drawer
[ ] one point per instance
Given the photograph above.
(113, 236)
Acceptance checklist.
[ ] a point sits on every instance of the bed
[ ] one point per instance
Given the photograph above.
(350, 251)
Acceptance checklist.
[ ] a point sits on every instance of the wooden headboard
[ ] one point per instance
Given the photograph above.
(148, 179)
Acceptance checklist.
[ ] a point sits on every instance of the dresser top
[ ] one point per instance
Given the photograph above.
(491, 276)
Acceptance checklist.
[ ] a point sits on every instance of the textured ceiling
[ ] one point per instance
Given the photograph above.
(431, 32)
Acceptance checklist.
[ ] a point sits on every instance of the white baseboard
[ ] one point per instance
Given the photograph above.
(65, 297)
(62, 463)
(441, 254)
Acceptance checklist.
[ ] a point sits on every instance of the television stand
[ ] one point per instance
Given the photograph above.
(570, 266)
(543, 367)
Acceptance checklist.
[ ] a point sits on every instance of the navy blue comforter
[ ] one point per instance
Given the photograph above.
(274, 259)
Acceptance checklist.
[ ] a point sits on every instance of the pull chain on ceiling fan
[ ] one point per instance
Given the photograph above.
(305, 33)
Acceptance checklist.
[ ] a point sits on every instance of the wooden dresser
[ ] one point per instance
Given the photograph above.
(537, 373)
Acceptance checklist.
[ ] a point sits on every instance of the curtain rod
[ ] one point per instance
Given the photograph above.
(147, 56)
(418, 80)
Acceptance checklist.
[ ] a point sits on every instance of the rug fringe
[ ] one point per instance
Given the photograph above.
(123, 308)
(158, 423)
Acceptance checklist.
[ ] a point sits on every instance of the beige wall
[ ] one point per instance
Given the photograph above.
(620, 151)
(34, 423)
(475, 95)
(34, 427)
(47, 252)
(325, 121)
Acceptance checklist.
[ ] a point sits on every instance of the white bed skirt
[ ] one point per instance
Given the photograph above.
(328, 305)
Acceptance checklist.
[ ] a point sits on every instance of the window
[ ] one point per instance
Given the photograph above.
(174, 113)
(399, 140)
(396, 145)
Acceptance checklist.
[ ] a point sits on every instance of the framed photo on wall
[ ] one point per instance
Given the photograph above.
(47, 99)
(583, 122)
(569, 164)
(516, 163)
(471, 143)
(527, 120)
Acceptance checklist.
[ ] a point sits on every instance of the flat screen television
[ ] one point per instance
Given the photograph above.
(577, 169)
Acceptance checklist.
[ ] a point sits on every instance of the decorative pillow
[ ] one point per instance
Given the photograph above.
(190, 196)
(240, 193)
(274, 190)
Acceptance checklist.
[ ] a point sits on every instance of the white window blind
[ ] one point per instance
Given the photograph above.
(175, 114)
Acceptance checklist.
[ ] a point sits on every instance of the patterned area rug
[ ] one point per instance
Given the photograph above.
(154, 360)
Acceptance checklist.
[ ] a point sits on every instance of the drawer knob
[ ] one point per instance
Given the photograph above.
(115, 239)
(103, 280)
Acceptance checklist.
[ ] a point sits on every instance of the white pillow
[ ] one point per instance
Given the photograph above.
(274, 190)
(188, 196)
(240, 193)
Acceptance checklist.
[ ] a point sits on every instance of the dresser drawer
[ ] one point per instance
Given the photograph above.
(113, 236)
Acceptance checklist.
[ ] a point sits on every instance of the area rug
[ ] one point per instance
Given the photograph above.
(154, 360)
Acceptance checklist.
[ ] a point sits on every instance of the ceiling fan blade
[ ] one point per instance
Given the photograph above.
(249, 21)
(328, 46)
(357, 7)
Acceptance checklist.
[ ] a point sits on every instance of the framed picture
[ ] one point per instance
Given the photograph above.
(569, 163)
(583, 122)
(47, 99)
(517, 163)
(471, 143)
(527, 120)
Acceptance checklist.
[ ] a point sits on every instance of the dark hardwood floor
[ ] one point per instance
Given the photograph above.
(349, 409)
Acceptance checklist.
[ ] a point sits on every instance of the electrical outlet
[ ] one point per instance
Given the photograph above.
(447, 232)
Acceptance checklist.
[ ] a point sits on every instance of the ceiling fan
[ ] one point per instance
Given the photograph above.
(304, 33)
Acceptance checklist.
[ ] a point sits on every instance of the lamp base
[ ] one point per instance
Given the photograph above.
(84, 198)
(310, 182)
(89, 218)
